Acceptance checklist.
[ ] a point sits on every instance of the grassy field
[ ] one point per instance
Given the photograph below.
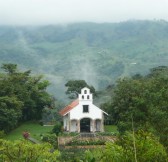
(110, 128)
(36, 129)
(33, 128)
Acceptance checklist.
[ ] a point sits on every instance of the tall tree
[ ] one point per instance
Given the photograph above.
(10, 112)
(145, 99)
(75, 86)
(22, 96)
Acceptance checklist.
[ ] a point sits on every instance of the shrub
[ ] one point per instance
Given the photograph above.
(52, 139)
(147, 147)
(65, 134)
(2, 134)
(107, 133)
(57, 128)
(24, 151)
(86, 142)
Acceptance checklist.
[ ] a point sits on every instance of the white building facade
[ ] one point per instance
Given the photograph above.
(82, 115)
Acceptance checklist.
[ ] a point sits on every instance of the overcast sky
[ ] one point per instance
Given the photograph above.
(38, 12)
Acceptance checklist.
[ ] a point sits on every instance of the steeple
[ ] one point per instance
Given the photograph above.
(85, 95)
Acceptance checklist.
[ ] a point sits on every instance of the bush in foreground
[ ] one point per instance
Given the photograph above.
(143, 147)
(24, 151)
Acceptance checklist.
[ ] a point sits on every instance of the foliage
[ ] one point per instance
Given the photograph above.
(97, 53)
(10, 112)
(57, 128)
(51, 114)
(72, 155)
(147, 147)
(2, 134)
(89, 157)
(144, 99)
(117, 44)
(78, 142)
(50, 138)
(22, 97)
(67, 134)
(75, 86)
(110, 128)
(111, 153)
(24, 151)
(108, 133)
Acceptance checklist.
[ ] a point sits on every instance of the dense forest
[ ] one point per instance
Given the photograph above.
(142, 100)
(102, 53)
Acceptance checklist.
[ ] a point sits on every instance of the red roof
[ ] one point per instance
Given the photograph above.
(66, 109)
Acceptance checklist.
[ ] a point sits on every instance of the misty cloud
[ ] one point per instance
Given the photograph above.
(39, 12)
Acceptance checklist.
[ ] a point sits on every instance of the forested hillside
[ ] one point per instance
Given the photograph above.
(97, 53)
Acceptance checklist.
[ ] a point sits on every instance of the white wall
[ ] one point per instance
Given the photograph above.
(97, 125)
(77, 112)
(74, 126)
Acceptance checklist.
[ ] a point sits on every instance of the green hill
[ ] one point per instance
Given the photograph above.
(97, 53)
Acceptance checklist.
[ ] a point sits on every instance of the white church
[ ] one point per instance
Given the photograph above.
(82, 115)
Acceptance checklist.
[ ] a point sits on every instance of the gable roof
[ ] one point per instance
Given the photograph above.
(66, 109)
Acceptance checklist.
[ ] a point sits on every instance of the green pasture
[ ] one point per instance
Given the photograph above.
(110, 128)
(36, 130)
(33, 128)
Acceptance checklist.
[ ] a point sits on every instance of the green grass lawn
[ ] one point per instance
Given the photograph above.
(110, 128)
(33, 128)
(36, 129)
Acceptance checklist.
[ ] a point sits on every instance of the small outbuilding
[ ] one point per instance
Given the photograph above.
(82, 115)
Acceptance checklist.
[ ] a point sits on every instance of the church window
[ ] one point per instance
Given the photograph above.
(82, 96)
(85, 91)
(85, 108)
(87, 96)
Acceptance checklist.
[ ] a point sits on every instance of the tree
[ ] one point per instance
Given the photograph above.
(129, 99)
(10, 112)
(38, 98)
(22, 96)
(51, 114)
(145, 99)
(10, 68)
(75, 86)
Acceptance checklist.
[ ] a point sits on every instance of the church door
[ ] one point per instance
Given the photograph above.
(85, 125)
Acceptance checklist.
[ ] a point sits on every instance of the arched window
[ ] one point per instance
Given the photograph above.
(87, 96)
(85, 92)
(82, 96)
